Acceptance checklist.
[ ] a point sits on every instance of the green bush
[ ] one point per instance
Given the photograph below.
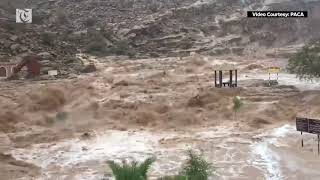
(61, 116)
(96, 47)
(89, 22)
(99, 47)
(133, 171)
(154, 6)
(306, 62)
(122, 48)
(39, 17)
(48, 39)
(237, 104)
(107, 33)
(196, 167)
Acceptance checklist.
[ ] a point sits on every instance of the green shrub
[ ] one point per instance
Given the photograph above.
(96, 47)
(237, 104)
(107, 33)
(306, 62)
(196, 167)
(122, 48)
(61, 116)
(99, 47)
(133, 171)
(48, 39)
(89, 22)
(39, 17)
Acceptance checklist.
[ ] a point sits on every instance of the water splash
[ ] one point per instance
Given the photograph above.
(265, 158)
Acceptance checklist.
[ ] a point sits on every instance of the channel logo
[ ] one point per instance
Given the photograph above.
(23, 15)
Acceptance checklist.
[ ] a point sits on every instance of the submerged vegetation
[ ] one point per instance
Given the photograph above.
(237, 104)
(195, 168)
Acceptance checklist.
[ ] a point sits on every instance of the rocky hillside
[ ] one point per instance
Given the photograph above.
(139, 28)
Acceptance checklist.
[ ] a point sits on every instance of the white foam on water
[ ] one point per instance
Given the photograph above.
(110, 145)
(84, 157)
(264, 157)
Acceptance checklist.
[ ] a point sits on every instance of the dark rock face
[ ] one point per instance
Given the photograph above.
(161, 28)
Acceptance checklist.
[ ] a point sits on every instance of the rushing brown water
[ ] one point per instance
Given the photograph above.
(273, 154)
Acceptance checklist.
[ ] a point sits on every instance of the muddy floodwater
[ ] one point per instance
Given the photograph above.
(273, 154)
(132, 110)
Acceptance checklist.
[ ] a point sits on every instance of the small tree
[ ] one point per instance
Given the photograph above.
(306, 62)
(133, 171)
(237, 104)
(89, 22)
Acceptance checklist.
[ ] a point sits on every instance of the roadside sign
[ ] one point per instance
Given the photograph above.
(309, 126)
(314, 126)
(302, 124)
(274, 70)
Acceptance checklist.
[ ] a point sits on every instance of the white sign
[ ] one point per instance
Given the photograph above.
(23, 15)
(53, 73)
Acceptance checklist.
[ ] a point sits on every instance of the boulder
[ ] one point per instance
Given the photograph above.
(14, 47)
(14, 38)
(23, 49)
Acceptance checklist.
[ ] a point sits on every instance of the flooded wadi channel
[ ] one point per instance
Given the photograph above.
(162, 108)
(265, 154)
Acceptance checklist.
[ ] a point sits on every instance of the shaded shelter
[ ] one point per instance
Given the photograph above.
(219, 82)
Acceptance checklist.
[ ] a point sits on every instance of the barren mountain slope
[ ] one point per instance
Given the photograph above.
(151, 28)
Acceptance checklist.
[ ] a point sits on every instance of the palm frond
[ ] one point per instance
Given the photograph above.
(145, 166)
(132, 171)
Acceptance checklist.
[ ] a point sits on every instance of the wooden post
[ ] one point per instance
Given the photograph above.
(220, 78)
(230, 85)
(215, 78)
(301, 140)
(236, 71)
(269, 79)
(318, 145)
